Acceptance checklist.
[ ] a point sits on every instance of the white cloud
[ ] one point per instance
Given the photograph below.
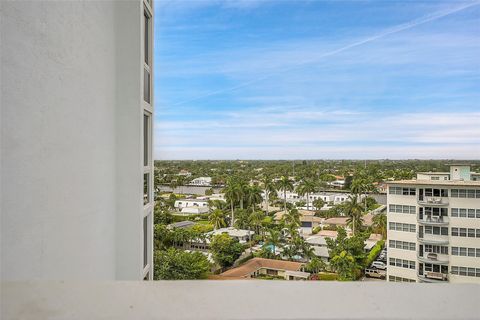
(438, 135)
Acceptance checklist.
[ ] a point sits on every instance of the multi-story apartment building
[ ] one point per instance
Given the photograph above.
(76, 120)
(434, 227)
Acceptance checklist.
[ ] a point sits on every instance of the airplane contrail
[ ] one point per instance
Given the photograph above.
(392, 30)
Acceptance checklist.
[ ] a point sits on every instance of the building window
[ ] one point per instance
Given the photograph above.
(436, 230)
(406, 227)
(146, 139)
(398, 208)
(145, 241)
(436, 249)
(402, 191)
(465, 193)
(146, 188)
(402, 245)
(146, 85)
(465, 271)
(433, 211)
(399, 279)
(465, 213)
(466, 232)
(407, 264)
(146, 39)
(466, 252)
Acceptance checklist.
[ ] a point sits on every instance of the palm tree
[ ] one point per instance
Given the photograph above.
(232, 194)
(290, 251)
(361, 186)
(173, 185)
(292, 217)
(354, 211)
(380, 224)
(285, 184)
(315, 265)
(256, 219)
(217, 219)
(307, 249)
(253, 195)
(274, 239)
(306, 187)
(242, 187)
(269, 189)
(358, 186)
(242, 219)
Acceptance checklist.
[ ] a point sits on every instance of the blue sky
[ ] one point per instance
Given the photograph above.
(317, 79)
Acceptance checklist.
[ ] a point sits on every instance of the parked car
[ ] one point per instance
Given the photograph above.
(378, 265)
(375, 273)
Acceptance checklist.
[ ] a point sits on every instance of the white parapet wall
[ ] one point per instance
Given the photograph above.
(238, 299)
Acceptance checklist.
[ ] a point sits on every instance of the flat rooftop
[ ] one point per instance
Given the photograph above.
(460, 183)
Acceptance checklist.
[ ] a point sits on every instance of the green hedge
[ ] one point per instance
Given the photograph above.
(373, 254)
(327, 276)
(178, 217)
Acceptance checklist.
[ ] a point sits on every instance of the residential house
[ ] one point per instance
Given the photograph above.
(258, 267)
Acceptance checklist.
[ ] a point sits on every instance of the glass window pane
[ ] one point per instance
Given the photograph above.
(146, 86)
(146, 38)
(145, 241)
(146, 138)
(146, 188)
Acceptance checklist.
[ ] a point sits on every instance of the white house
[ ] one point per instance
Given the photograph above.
(194, 210)
(184, 203)
(240, 234)
(201, 181)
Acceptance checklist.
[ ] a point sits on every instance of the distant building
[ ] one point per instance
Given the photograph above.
(434, 227)
(337, 183)
(319, 243)
(184, 203)
(194, 210)
(184, 173)
(217, 196)
(201, 181)
(240, 234)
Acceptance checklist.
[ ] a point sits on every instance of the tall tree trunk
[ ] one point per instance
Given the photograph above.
(231, 206)
(308, 198)
(266, 200)
(285, 200)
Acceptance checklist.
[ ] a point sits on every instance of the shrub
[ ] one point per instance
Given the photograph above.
(327, 276)
(174, 264)
(373, 254)
(330, 227)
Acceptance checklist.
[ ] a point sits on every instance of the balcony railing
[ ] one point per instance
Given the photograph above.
(430, 257)
(430, 276)
(433, 220)
(432, 238)
(433, 201)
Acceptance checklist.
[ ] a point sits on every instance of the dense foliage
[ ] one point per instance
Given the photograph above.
(173, 264)
(225, 250)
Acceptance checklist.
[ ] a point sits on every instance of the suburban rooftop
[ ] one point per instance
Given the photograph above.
(259, 263)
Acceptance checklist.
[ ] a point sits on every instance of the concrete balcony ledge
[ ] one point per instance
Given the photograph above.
(248, 299)
(443, 221)
(433, 202)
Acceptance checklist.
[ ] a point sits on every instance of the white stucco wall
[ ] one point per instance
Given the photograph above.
(59, 173)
